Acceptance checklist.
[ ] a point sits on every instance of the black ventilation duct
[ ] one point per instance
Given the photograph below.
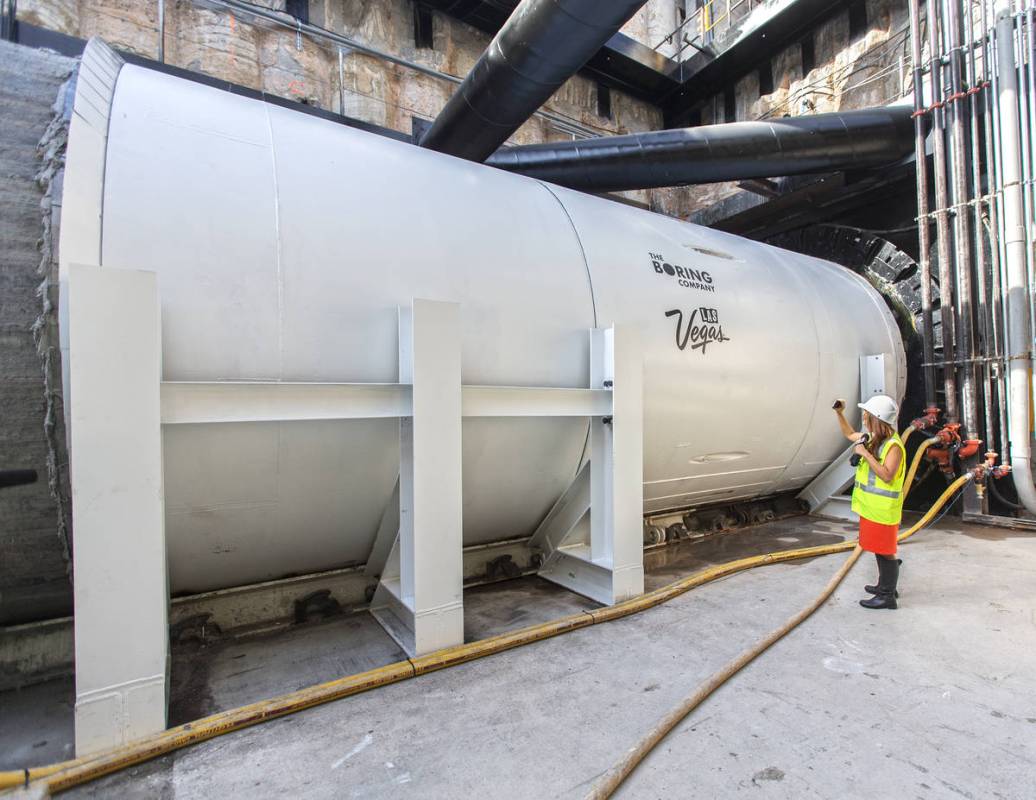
(542, 44)
(714, 153)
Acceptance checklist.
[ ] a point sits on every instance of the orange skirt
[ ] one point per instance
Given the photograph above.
(878, 538)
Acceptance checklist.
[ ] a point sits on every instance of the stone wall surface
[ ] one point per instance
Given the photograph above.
(210, 39)
(34, 564)
(242, 49)
(872, 70)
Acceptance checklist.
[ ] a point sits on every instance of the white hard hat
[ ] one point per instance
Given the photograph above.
(883, 407)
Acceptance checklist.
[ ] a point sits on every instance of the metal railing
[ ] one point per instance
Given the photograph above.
(701, 28)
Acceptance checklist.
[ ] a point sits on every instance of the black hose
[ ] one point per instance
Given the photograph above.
(1000, 498)
(17, 477)
(542, 45)
(859, 139)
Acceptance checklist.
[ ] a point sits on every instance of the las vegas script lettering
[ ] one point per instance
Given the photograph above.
(701, 329)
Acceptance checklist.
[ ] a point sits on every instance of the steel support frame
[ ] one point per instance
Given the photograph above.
(118, 513)
(593, 536)
(118, 405)
(420, 597)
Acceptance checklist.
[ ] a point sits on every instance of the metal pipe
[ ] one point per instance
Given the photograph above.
(997, 194)
(975, 83)
(993, 227)
(942, 225)
(161, 31)
(1027, 142)
(961, 228)
(713, 153)
(924, 234)
(1023, 136)
(542, 45)
(8, 13)
(341, 82)
(1019, 321)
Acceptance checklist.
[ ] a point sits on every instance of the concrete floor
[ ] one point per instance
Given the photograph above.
(937, 699)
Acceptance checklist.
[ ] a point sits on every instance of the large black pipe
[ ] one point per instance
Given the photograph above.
(713, 153)
(542, 44)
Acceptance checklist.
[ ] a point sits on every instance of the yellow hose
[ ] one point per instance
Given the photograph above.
(907, 433)
(916, 463)
(610, 781)
(66, 774)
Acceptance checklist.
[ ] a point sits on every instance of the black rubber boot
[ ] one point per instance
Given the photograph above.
(873, 588)
(888, 577)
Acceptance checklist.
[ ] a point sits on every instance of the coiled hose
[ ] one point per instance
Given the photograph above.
(67, 774)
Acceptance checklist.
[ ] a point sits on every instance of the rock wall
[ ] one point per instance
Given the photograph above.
(34, 557)
(870, 70)
(266, 56)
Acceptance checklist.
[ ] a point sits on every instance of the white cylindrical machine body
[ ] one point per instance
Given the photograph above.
(284, 244)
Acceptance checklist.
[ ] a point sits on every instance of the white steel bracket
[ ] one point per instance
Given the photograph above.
(419, 599)
(593, 536)
(118, 515)
(825, 494)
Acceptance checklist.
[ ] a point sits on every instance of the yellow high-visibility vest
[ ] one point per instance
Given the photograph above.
(873, 498)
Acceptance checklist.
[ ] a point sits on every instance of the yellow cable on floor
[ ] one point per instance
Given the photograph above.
(610, 781)
(65, 775)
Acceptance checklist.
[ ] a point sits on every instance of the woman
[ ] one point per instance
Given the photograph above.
(878, 493)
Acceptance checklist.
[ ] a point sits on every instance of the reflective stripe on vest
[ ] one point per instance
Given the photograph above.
(876, 499)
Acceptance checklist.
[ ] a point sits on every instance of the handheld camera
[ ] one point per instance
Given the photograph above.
(854, 459)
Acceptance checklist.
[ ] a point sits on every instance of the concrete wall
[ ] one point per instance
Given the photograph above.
(34, 579)
(848, 73)
(871, 70)
(272, 58)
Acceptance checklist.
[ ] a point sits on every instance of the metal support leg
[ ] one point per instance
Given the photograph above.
(419, 600)
(121, 591)
(604, 561)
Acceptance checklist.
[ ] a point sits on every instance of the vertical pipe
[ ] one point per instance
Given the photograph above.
(341, 83)
(7, 17)
(1023, 129)
(990, 127)
(998, 196)
(1024, 138)
(1030, 97)
(924, 234)
(942, 226)
(1000, 278)
(974, 82)
(1019, 322)
(961, 228)
(161, 31)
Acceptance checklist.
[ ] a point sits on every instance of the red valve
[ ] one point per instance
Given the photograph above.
(988, 469)
(949, 434)
(949, 442)
(970, 448)
(930, 419)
